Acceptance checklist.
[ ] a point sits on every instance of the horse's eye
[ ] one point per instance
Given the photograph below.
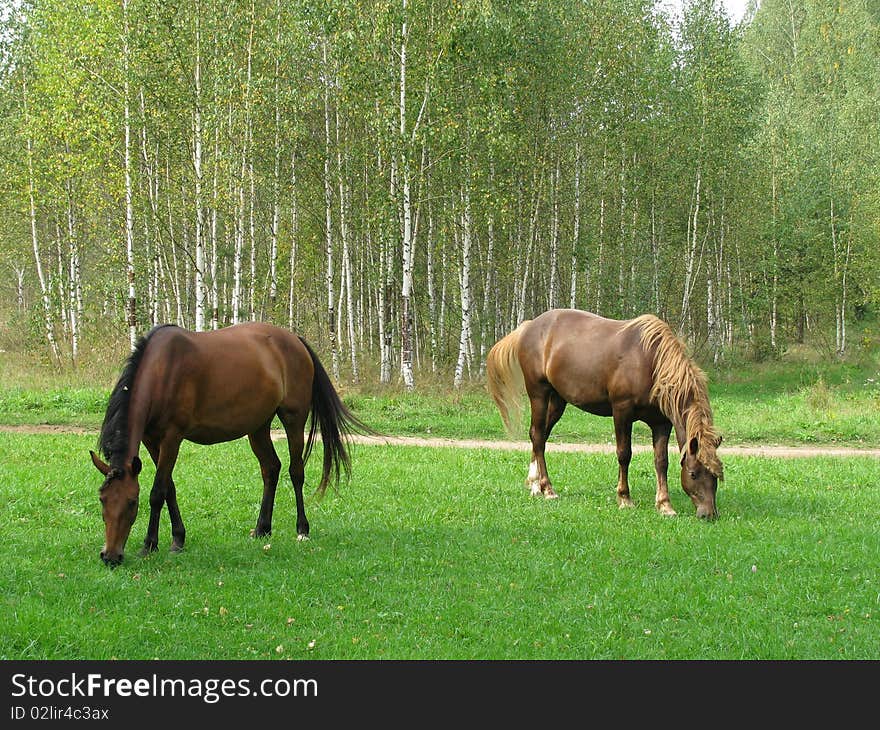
(132, 503)
(693, 474)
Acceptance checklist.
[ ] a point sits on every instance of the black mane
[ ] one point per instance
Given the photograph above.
(113, 441)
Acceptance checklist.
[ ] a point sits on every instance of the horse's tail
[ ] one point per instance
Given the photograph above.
(505, 378)
(335, 422)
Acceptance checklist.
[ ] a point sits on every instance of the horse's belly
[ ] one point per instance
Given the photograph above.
(207, 435)
(597, 409)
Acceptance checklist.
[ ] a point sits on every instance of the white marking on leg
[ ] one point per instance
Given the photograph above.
(533, 471)
(533, 480)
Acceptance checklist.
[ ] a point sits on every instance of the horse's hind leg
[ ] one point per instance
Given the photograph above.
(270, 468)
(547, 408)
(294, 424)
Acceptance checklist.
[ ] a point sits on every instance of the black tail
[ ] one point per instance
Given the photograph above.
(335, 422)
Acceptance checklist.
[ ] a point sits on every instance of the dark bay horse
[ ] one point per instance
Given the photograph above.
(209, 387)
(630, 370)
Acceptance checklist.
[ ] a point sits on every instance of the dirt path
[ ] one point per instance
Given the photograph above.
(732, 450)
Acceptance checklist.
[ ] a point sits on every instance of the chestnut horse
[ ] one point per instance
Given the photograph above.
(209, 387)
(630, 370)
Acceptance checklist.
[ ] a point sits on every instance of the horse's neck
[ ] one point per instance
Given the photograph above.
(138, 411)
(680, 421)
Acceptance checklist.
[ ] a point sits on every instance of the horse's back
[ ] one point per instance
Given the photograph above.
(588, 359)
(221, 384)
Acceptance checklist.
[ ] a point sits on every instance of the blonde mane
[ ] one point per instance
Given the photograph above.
(680, 387)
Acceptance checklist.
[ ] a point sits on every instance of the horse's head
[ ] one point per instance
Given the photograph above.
(119, 506)
(699, 476)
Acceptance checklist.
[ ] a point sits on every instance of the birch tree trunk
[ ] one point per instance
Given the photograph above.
(554, 241)
(197, 167)
(406, 332)
(576, 229)
(691, 251)
(215, 292)
(276, 171)
(384, 303)
(600, 257)
(328, 220)
(44, 290)
(74, 290)
(294, 233)
(774, 210)
(464, 342)
(344, 234)
(129, 213)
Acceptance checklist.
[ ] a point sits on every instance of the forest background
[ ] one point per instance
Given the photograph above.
(404, 182)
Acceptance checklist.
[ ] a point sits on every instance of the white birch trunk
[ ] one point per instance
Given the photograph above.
(600, 257)
(655, 255)
(276, 172)
(200, 294)
(294, 232)
(385, 263)
(432, 297)
(328, 220)
(74, 283)
(406, 350)
(576, 229)
(44, 290)
(346, 255)
(691, 251)
(775, 262)
(129, 213)
(554, 241)
(215, 292)
(464, 342)
(239, 244)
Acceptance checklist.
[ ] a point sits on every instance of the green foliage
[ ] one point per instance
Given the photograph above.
(724, 177)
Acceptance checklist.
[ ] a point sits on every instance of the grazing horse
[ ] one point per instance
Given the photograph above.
(209, 387)
(630, 370)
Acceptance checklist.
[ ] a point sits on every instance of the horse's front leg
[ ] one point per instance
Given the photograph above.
(623, 421)
(660, 437)
(162, 485)
(178, 531)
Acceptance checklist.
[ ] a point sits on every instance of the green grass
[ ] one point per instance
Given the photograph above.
(441, 554)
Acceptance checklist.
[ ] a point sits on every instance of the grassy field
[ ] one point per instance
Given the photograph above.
(441, 554)
(771, 404)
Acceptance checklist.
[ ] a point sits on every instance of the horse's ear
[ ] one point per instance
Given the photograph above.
(136, 466)
(99, 465)
(693, 446)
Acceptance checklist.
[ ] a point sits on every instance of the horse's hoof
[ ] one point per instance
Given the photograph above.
(535, 489)
(260, 533)
(550, 494)
(302, 538)
(176, 549)
(625, 503)
(665, 509)
(147, 549)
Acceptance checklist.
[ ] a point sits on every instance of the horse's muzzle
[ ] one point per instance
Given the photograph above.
(709, 515)
(111, 560)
